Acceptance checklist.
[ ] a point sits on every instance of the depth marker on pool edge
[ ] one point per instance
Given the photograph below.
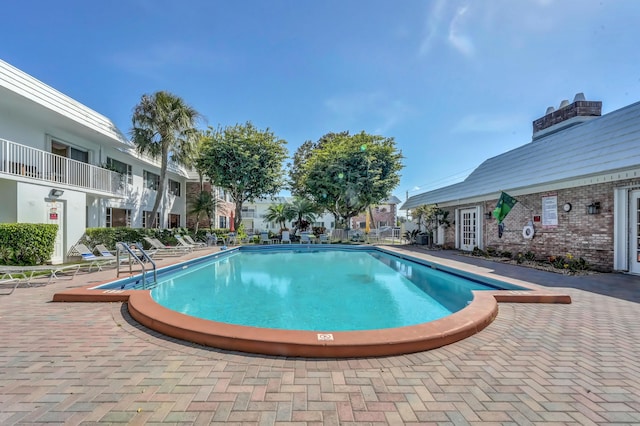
(325, 336)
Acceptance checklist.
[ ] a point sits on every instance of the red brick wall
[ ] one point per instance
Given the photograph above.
(589, 236)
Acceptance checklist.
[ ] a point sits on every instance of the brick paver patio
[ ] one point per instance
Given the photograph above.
(83, 363)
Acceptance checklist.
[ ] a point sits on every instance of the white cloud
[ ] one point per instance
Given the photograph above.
(432, 26)
(460, 41)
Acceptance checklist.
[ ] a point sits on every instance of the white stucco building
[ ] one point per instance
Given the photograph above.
(253, 216)
(56, 162)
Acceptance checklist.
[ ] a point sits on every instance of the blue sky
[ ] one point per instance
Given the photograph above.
(454, 82)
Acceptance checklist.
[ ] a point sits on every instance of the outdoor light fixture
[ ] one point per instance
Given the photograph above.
(487, 215)
(56, 193)
(593, 208)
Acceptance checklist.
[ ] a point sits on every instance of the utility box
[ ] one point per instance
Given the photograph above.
(423, 239)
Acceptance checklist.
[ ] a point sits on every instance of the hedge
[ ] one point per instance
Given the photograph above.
(26, 244)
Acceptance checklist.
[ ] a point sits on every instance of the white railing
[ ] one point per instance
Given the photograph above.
(22, 160)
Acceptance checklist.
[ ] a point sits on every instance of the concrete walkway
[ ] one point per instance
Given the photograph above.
(83, 363)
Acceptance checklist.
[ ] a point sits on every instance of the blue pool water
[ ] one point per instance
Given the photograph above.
(319, 290)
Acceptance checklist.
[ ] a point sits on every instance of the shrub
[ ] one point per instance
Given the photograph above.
(26, 243)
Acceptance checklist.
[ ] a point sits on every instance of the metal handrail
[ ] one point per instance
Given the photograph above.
(133, 256)
(148, 258)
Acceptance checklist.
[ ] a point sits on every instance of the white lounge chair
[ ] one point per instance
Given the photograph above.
(305, 238)
(324, 239)
(264, 238)
(16, 275)
(183, 243)
(286, 238)
(88, 256)
(163, 250)
(191, 241)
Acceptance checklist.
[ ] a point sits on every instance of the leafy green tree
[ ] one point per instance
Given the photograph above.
(163, 126)
(344, 173)
(280, 214)
(245, 161)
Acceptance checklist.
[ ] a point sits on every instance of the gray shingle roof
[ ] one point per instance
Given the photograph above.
(604, 144)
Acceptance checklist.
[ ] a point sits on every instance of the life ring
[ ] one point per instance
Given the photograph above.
(528, 232)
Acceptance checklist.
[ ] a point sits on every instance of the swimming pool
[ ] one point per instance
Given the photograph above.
(316, 290)
(476, 314)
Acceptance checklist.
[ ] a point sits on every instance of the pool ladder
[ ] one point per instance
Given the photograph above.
(139, 259)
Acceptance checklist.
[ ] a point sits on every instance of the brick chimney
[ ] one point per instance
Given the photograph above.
(567, 115)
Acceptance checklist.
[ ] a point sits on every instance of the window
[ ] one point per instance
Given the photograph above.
(223, 222)
(67, 151)
(146, 219)
(118, 218)
(122, 168)
(174, 188)
(363, 224)
(151, 180)
(76, 154)
(318, 224)
(174, 220)
(248, 213)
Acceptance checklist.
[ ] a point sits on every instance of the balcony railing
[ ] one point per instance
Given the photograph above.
(31, 163)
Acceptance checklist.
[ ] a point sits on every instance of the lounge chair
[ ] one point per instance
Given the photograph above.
(108, 254)
(264, 238)
(16, 275)
(183, 243)
(305, 238)
(163, 250)
(232, 238)
(97, 261)
(286, 238)
(191, 241)
(324, 239)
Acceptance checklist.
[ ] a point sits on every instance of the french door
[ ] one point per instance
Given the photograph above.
(468, 229)
(634, 233)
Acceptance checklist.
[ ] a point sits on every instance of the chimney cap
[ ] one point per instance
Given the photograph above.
(579, 97)
(564, 103)
(549, 110)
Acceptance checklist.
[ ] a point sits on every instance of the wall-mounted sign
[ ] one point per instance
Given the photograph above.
(53, 213)
(550, 211)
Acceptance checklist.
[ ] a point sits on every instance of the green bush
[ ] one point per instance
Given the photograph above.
(26, 244)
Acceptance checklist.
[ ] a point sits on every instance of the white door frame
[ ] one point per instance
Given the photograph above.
(467, 229)
(55, 214)
(634, 232)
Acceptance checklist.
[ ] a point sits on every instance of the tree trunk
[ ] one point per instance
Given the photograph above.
(161, 189)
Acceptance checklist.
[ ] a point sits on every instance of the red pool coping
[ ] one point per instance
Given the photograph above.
(482, 310)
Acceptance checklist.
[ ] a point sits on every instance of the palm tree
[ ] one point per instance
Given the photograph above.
(303, 210)
(203, 203)
(164, 124)
(280, 214)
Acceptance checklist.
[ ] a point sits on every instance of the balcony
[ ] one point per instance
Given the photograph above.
(32, 164)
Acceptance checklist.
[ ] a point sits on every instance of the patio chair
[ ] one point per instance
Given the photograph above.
(324, 239)
(88, 256)
(286, 238)
(264, 238)
(16, 275)
(163, 250)
(191, 241)
(305, 238)
(183, 243)
(108, 254)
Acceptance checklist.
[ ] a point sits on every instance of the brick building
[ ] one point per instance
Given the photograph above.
(383, 215)
(577, 183)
